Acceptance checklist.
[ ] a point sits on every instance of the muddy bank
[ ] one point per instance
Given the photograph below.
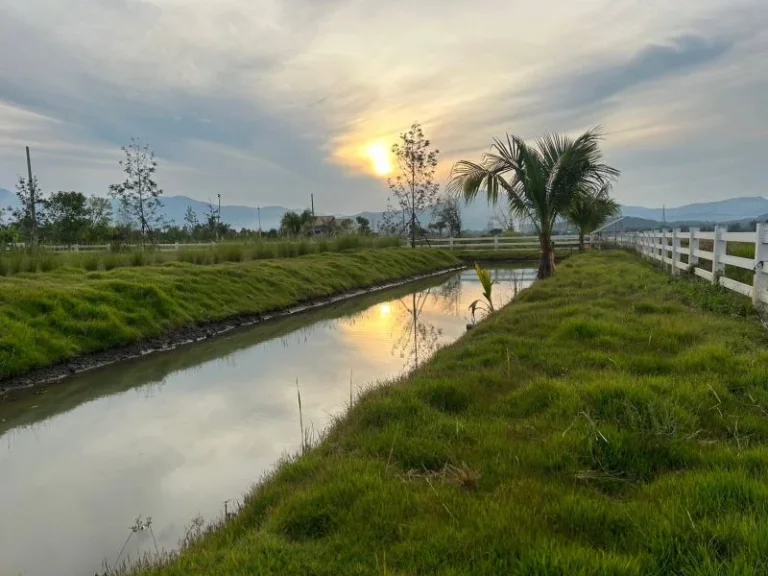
(182, 336)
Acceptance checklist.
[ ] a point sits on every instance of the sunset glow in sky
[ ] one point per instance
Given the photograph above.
(270, 100)
(379, 155)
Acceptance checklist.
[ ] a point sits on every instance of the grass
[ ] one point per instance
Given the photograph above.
(611, 420)
(26, 262)
(49, 318)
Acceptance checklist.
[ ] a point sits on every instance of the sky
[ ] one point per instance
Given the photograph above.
(269, 101)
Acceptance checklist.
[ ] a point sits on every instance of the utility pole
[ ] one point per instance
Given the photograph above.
(218, 217)
(32, 206)
(312, 199)
(258, 211)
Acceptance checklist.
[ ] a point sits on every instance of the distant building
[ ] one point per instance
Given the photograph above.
(324, 225)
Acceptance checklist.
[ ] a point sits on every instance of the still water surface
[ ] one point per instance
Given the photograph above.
(174, 435)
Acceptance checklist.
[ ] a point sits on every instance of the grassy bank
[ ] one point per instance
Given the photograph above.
(611, 420)
(47, 318)
(32, 262)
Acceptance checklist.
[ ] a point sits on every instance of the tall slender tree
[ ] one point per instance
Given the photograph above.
(539, 181)
(138, 194)
(414, 187)
(190, 221)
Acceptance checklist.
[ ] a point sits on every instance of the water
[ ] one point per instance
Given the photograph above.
(174, 435)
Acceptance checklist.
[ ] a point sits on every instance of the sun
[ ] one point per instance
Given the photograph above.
(378, 154)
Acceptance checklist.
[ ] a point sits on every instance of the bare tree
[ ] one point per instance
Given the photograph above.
(502, 218)
(190, 221)
(414, 187)
(389, 220)
(139, 195)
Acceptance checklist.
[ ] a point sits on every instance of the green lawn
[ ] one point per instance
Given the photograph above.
(51, 317)
(611, 420)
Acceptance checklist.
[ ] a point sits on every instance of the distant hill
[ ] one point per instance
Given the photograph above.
(475, 216)
(7, 198)
(722, 211)
(174, 208)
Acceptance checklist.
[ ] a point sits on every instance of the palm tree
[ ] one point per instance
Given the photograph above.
(540, 182)
(589, 210)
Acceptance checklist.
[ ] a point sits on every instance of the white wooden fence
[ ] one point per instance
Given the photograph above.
(666, 247)
(506, 243)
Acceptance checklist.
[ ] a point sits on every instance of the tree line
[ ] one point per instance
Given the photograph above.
(71, 217)
(556, 178)
(303, 224)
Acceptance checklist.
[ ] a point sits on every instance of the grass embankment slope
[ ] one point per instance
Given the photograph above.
(48, 318)
(611, 420)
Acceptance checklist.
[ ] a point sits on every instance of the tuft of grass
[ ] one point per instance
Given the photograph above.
(610, 420)
(49, 318)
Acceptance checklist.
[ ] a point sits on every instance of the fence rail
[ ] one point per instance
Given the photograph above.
(670, 247)
(506, 243)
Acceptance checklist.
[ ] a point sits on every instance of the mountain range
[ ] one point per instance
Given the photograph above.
(475, 215)
(729, 210)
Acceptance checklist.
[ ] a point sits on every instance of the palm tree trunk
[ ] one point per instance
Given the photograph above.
(547, 257)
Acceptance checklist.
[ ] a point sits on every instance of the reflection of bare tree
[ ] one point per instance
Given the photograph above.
(417, 338)
(448, 295)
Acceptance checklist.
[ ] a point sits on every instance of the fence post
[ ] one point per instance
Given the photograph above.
(675, 251)
(718, 250)
(495, 243)
(450, 242)
(693, 247)
(760, 283)
(662, 252)
(176, 246)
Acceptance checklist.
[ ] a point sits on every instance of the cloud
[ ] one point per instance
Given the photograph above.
(270, 100)
(652, 63)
